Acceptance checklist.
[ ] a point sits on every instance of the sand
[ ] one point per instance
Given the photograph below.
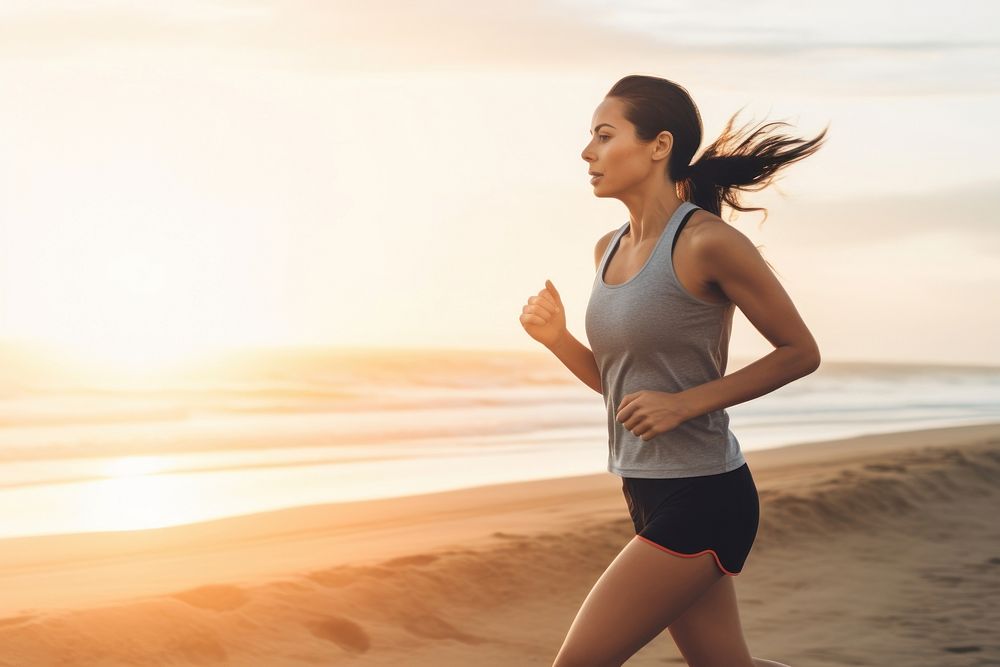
(877, 550)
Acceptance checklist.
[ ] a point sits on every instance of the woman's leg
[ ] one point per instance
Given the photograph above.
(709, 632)
(642, 591)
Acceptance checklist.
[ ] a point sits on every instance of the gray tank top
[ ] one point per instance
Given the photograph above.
(651, 333)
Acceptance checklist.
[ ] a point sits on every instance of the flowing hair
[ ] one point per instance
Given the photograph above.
(737, 161)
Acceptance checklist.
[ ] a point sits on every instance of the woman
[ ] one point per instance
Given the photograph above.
(659, 320)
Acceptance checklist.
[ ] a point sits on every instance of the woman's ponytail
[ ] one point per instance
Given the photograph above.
(736, 161)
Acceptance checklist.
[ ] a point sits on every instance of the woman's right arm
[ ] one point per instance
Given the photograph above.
(544, 319)
(579, 359)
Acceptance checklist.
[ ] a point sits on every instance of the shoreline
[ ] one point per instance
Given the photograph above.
(373, 530)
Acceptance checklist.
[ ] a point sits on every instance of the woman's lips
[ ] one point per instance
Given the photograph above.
(593, 181)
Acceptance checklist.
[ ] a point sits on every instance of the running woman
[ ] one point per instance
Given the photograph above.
(658, 321)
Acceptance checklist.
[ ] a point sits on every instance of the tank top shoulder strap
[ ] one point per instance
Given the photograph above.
(686, 210)
(610, 247)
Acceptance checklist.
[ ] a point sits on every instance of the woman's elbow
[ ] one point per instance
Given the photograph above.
(811, 360)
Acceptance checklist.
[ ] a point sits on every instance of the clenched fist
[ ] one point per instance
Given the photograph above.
(543, 316)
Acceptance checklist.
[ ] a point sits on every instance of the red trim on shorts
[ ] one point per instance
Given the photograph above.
(677, 553)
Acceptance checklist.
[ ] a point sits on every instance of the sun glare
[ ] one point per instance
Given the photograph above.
(136, 502)
(133, 359)
(134, 466)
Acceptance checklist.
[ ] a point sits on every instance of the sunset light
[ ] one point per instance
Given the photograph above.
(331, 334)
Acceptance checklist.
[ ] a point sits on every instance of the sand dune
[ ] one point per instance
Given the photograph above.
(871, 551)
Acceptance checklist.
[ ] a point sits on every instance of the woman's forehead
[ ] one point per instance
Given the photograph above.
(609, 111)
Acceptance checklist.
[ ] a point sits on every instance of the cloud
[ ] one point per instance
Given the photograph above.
(339, 36)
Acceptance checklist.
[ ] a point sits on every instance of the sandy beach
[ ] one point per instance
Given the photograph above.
(875, 550)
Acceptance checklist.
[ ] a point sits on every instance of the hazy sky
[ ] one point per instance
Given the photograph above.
(189, 174)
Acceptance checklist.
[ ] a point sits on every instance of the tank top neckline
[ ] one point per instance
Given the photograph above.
(668, 231)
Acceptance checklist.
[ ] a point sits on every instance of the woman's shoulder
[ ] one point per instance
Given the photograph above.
(706, 230)
(703, 218)
(715, 245)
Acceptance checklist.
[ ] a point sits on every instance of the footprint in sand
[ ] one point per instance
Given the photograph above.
(946, 579)
(335, 578)
(217, 597)
(963, 649)
(290, 586)
(343, 632)
(885, 467)
(419, 559)
(16, 620)
(432, 626)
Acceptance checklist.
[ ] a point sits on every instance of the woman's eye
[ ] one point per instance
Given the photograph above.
(604, 136)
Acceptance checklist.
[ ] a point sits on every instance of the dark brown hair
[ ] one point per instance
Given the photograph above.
(733, 162)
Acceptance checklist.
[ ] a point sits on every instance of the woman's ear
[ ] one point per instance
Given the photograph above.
(663, 144)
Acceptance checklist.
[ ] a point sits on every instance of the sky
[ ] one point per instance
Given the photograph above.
(186, 176)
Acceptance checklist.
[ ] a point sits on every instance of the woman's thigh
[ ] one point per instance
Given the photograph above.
(642, 591)
(709, 632)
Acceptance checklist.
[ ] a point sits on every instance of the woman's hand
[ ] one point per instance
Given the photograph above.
(649, 413)
(543, 317)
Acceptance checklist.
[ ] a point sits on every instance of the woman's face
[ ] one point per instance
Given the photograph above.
(615, 152)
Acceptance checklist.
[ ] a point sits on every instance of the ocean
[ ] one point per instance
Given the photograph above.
(84, 449)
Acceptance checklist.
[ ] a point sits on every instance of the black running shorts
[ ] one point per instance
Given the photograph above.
(689, 516)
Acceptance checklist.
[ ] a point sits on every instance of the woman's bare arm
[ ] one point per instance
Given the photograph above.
(579, 359)
(576, 356)
(733, 263)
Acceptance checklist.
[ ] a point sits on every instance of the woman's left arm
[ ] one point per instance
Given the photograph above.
(737, 267)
